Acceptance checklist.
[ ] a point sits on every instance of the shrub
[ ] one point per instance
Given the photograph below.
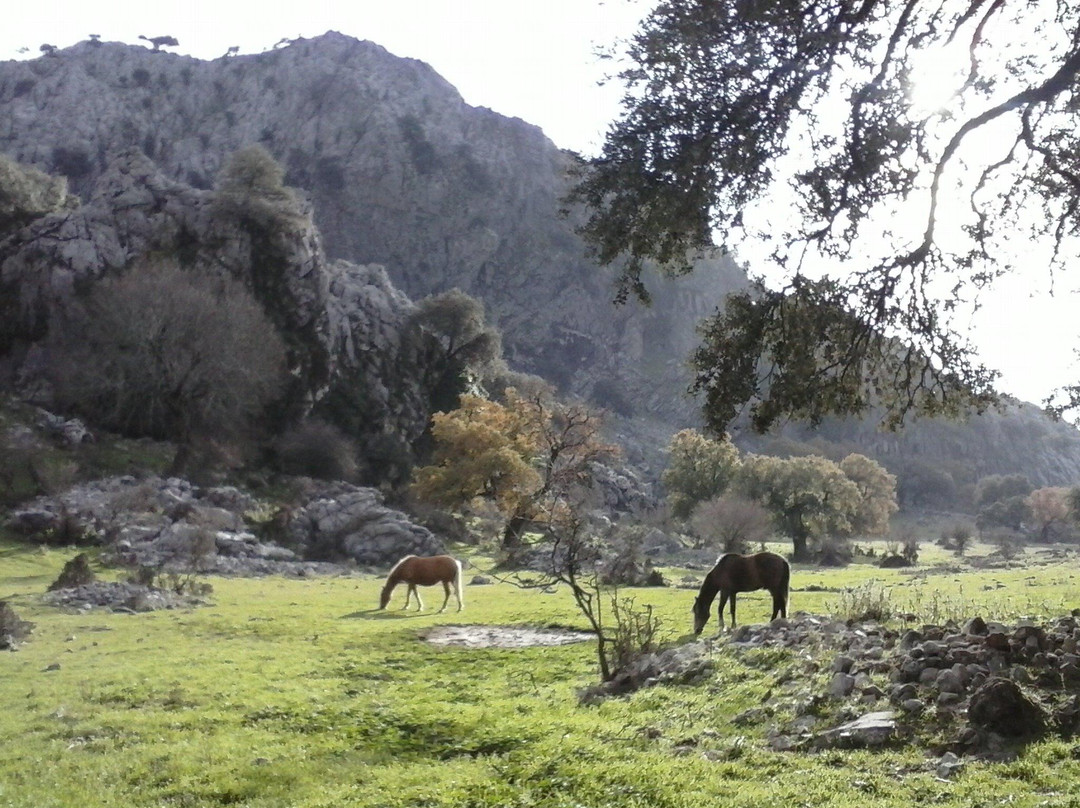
(635, 633)
(169, 353)
(730, 524)
(910, 549)
(27, 194)
(76, 572)
(869, 601)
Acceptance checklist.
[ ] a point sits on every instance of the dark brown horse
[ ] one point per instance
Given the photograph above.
(735, 573)
(424, 571)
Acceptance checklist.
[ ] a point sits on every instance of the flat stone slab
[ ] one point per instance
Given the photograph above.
(872, 729)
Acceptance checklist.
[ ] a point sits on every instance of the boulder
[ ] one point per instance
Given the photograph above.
(1000, 706)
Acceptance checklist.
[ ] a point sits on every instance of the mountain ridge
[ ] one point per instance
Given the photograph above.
(402, 172)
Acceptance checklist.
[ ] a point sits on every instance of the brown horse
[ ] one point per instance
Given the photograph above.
(742, 573)
(424, 571)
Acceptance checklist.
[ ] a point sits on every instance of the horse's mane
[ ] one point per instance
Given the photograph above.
(394, 568)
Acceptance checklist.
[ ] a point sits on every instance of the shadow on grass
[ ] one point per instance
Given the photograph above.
(375, 613)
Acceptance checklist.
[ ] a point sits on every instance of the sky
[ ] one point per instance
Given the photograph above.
(535, 61)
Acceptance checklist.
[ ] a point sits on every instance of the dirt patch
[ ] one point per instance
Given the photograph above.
(502, 636)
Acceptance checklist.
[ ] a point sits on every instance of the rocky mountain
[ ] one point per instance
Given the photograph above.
(345, 324)
(400, 174)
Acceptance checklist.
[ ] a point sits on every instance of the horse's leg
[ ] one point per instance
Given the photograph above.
(446, 589)
(408, 596)
(720, 610)
(419, 602)
(779, 606)
(733, 610)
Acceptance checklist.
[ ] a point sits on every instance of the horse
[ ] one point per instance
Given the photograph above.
(424, 571)
(735, 573)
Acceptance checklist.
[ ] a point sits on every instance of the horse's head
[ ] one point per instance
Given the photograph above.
(701, 614)
(384, 596)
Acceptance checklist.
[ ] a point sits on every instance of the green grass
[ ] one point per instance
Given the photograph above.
(290, 692)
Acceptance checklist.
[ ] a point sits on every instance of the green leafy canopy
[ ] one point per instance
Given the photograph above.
(735, 107)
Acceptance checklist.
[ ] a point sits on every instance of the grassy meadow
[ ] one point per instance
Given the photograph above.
(296, 692)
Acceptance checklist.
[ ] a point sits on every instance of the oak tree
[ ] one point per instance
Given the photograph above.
(698, 469)
(813, 111)
(808, 497)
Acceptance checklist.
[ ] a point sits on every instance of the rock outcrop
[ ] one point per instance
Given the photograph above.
(174, 526)
(988, 685)
(401, 172)
(345, 324)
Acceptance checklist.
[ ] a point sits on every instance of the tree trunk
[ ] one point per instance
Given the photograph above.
(513, 530)
(801, 551)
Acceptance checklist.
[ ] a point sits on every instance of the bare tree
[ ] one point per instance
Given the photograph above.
(731, 523)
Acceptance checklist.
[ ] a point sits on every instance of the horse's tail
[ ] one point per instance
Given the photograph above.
(459, 583)
(785, 581)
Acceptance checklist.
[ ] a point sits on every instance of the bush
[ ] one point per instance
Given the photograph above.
(957, 538)
(910, 550)
(169, 353)
(636, 632)
(27, 194)
(75, 573)
(317, 449)
(866, 602)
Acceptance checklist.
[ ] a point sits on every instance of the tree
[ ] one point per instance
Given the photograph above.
(27, 194)
(482, 450)
(731, 523)
(797, 124)
(251, 187)
(808, 497)
(524, 456)
(169, 353)
(923, 485)
(466, 344)
(698, 469)
(877, 495)
(1049, 507)
(160, 42)
(1011, 512)
(997, 487)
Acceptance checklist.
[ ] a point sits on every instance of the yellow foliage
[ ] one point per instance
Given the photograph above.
(521, 455)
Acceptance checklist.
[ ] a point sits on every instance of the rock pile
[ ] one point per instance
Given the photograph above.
(991, 682)
(681, 664)
(121, 596)
(76, 572)
(173, 525)
(12, 628)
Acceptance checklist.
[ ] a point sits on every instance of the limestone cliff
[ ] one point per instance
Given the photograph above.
(401, 172)
(344, 323)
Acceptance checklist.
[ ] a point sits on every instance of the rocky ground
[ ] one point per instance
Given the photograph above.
(983, 689)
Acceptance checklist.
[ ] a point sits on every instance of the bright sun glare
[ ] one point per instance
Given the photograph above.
(936, 76)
